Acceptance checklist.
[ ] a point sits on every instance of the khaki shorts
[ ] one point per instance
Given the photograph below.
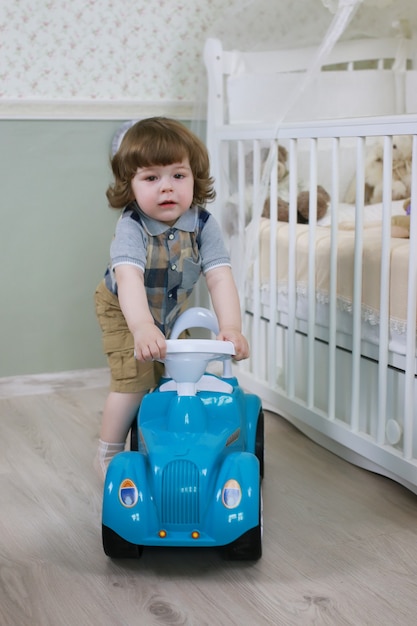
(127, 374)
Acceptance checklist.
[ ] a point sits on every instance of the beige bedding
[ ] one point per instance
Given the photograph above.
(345, 267)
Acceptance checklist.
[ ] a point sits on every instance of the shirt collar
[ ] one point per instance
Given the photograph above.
(187, 222)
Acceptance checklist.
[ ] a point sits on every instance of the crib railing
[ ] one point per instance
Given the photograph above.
(346, 392)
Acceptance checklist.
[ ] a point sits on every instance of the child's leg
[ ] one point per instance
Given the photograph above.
(118, 414)
(129, 378)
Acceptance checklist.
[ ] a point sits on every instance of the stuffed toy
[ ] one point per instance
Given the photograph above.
(303, 197)
(400, 224)
(374, 166)
(229, 217)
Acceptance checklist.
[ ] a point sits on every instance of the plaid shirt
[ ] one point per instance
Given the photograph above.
(172, 258)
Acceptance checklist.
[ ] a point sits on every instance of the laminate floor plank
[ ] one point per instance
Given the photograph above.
(340, 543)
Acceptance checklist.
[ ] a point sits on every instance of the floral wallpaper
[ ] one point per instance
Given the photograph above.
(64, 57)
(102, 50)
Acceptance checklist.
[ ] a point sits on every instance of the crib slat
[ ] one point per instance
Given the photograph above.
(255, 339)
(357, 284)
(237, 243)
(384, 293)
(272, 365)
(291, 360)
(334, 203)
(312, 274)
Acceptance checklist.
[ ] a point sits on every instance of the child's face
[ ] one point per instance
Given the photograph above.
(164, 192)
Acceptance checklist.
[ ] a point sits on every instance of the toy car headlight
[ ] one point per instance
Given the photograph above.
(231, 494)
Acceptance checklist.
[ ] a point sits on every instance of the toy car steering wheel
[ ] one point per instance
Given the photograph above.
(186, 360)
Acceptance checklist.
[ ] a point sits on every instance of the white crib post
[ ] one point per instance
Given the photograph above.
(238, 239)
(410, 362)
(213, 57)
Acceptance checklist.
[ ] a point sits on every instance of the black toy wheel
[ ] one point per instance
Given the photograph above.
(134, 435)
(248, 547)
(259, 443)
(118, 548)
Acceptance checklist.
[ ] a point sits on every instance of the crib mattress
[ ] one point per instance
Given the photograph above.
(371, 268)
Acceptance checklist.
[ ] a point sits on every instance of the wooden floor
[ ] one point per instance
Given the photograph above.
(340, 544)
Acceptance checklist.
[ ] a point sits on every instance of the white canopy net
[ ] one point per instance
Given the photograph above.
(262, 25)
(270, 24)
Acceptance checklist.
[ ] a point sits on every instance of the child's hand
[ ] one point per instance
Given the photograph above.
(238, 340)
(150, 343)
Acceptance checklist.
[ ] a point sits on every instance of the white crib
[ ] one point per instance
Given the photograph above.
(330, 307)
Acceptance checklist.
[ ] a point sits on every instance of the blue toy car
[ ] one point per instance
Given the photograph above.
(193, 474)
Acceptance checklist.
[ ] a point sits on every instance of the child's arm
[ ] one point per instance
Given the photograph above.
(226, 305)
(149, 341)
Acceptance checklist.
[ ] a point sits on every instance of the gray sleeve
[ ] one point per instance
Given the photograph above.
(212, 247)
(129, 243)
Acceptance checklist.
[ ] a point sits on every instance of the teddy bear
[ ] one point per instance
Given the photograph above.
(374, 166)
(229, 217)
(303, 197)
(400, 224)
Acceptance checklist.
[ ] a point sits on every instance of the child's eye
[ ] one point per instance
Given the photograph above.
(179, 176)
(150, 178)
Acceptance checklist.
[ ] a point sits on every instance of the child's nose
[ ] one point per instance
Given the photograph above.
(166, 183)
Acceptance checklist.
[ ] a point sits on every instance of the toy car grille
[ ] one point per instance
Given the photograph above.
(180, 493)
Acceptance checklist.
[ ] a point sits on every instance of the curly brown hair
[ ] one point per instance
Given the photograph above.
(159, 141)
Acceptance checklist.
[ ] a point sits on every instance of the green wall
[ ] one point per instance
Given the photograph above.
(55, 233)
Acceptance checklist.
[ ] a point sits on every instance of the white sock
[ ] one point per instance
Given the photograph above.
(105, 452)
